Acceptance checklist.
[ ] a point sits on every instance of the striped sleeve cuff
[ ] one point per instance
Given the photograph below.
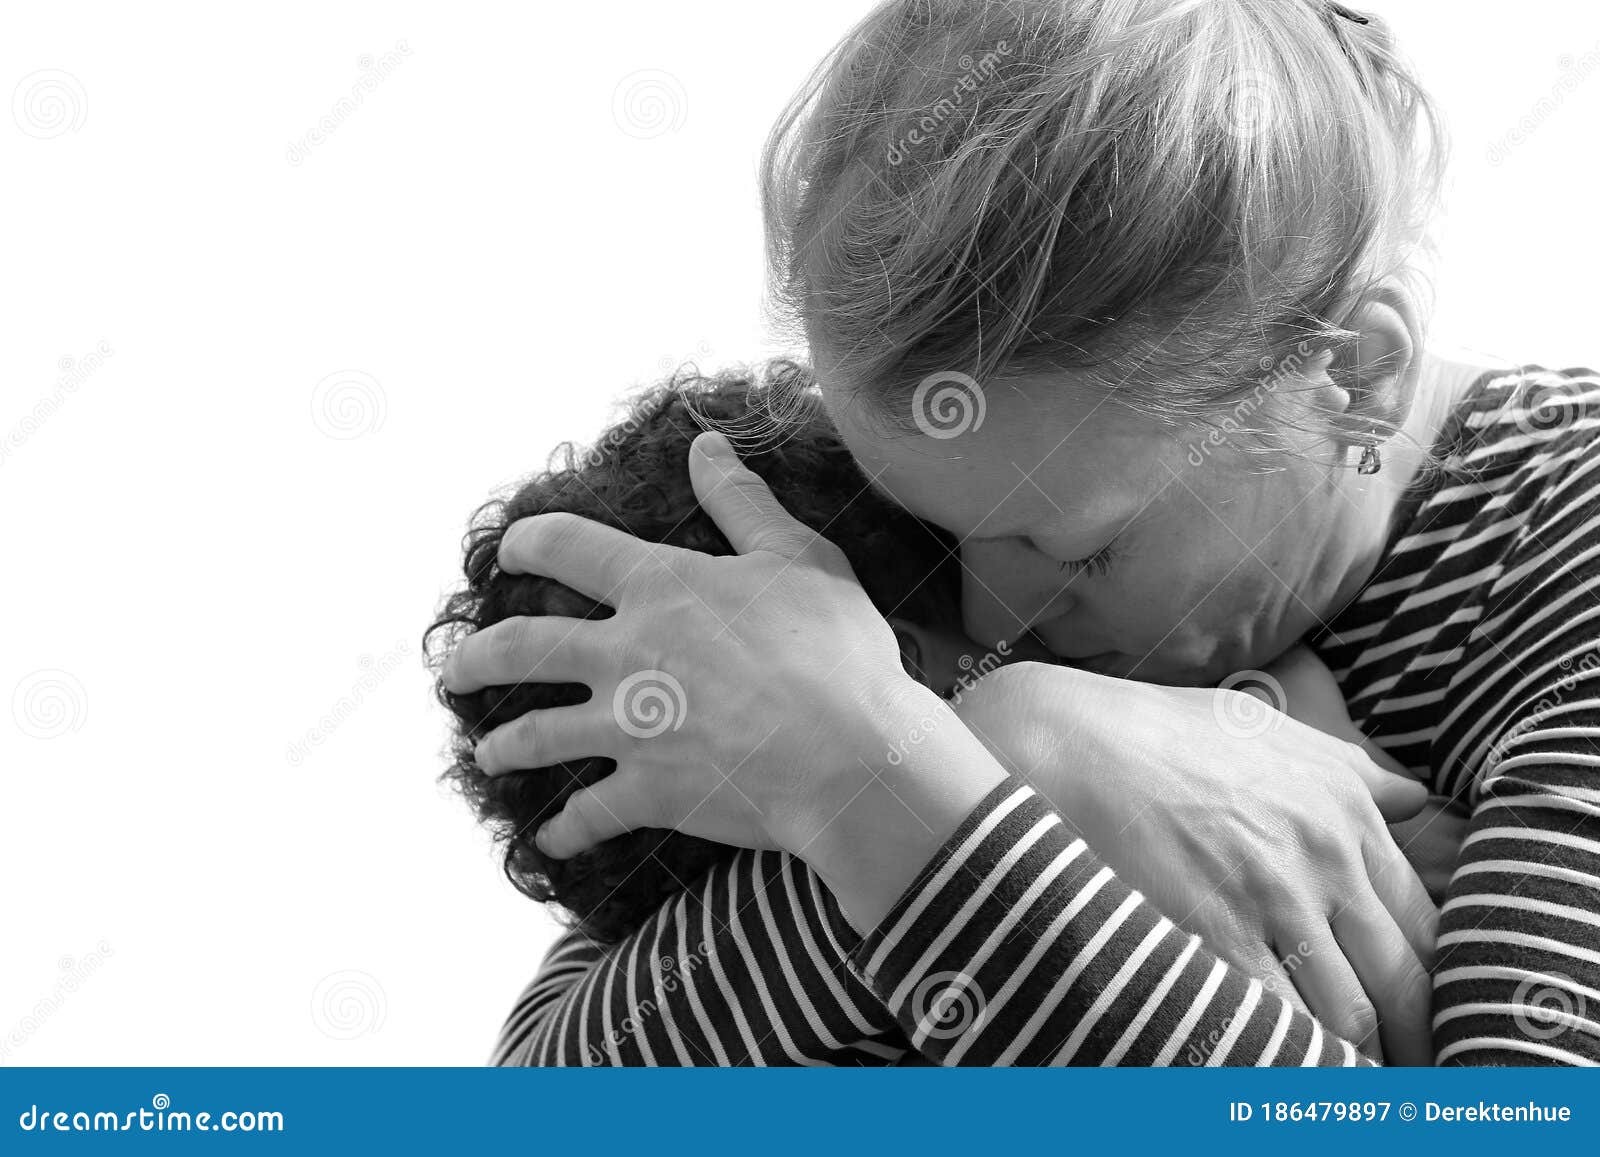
(1015, 945)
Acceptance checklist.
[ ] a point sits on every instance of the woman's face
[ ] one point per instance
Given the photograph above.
(1097, 530)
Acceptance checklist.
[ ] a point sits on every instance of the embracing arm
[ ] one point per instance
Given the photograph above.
(1518, 981)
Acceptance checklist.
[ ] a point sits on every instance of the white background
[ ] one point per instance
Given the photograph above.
(211, 543)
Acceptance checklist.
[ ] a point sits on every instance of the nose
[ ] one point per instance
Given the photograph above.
(1001, 594)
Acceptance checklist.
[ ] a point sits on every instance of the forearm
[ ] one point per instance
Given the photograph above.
(1518, 968)
(881, 822)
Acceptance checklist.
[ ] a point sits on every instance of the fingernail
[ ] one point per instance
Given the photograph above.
(714, 445)
(541, 838)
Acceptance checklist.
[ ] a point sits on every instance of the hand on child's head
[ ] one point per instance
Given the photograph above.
(637, 479)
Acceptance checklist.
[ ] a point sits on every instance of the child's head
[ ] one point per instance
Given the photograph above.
(637, 479)
(1105, 288)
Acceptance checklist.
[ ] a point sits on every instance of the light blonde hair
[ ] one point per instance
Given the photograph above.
(1171, 196)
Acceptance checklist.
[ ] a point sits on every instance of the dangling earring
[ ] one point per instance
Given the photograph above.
(1371, 462)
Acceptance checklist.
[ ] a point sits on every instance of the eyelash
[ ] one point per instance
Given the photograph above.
(1097, 563)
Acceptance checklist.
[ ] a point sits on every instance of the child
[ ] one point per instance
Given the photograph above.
(636, 478)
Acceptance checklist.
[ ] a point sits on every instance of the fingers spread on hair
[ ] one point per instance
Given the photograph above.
(547, 737)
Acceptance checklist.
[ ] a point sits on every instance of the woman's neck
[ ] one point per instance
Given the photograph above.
(1379, 499)
(1441, 385)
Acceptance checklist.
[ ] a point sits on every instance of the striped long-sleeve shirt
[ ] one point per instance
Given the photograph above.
(1472, 655)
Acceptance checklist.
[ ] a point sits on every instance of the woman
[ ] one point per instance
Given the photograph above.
(1195, 421)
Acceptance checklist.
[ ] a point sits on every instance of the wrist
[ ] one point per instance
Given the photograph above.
(869, 829)
(879, 730)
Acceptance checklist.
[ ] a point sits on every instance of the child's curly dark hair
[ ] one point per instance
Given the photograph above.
(637, 479)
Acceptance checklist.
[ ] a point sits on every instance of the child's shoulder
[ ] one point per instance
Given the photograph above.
(1532, 405)
(1517, 434)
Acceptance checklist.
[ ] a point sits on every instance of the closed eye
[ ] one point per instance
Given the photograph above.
(1097, 563)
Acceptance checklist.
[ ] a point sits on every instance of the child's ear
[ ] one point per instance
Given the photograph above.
(911, 652)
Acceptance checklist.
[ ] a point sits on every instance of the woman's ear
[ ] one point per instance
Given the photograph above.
(1377, 373)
